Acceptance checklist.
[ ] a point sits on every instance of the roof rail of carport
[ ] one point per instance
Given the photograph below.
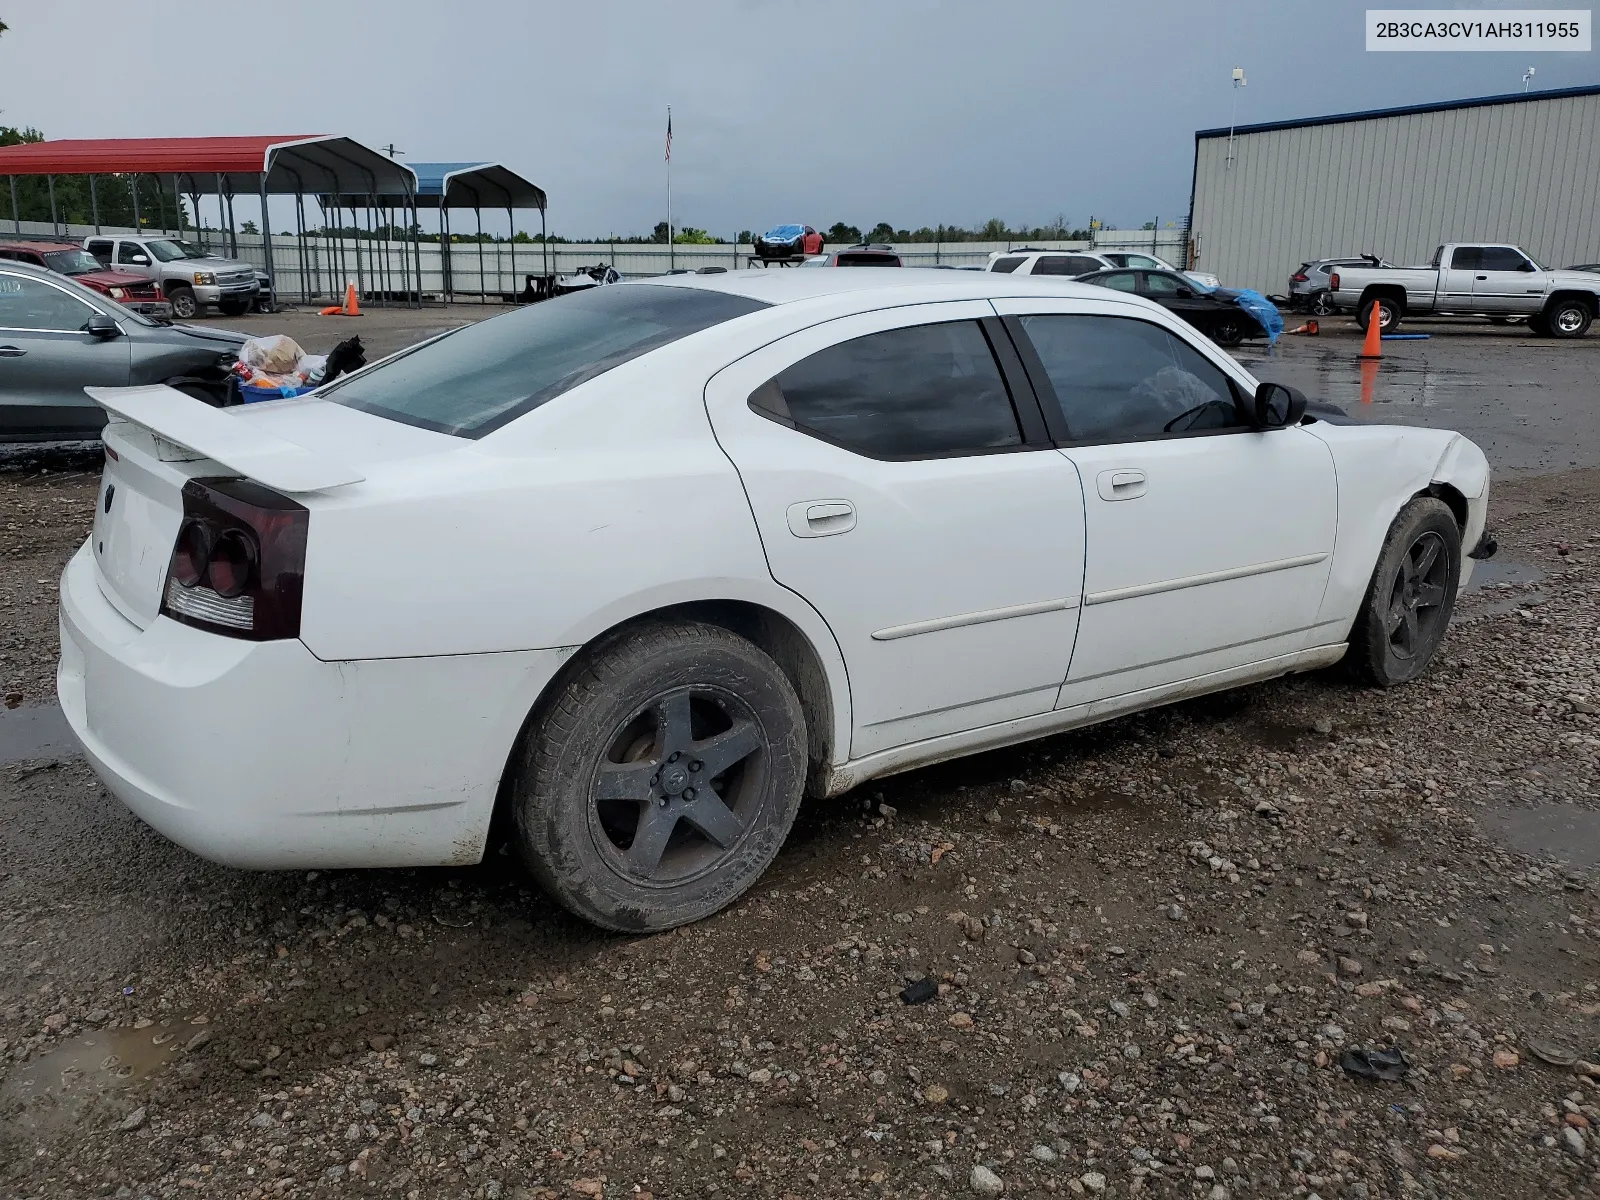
(474, 185)
(303, 163)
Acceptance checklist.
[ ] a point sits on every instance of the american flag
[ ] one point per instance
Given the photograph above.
(669, 133)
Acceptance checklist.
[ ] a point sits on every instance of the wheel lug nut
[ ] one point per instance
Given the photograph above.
(688, 793)
(674, 756)
(695, 765)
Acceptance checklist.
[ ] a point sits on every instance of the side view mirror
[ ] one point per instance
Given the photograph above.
(1527, 266)
(1184, 293)
(1278, 405)
(102, 327)
(141, 259)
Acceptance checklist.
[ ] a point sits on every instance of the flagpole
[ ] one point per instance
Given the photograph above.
(672, 250)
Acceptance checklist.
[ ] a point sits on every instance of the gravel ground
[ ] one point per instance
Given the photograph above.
(1147, 946)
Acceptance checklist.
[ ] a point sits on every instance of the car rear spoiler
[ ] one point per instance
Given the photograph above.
(221, 434)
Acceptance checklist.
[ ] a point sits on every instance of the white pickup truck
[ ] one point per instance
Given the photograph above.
(1473, 279)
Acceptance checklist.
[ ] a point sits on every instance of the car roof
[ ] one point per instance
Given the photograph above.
(39, 247)
(789, 287)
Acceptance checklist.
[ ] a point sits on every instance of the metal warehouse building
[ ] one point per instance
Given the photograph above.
(1397, 182)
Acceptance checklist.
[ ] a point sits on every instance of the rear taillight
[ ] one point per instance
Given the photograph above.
(1299, 277)
(1333, 281)
(238, 564)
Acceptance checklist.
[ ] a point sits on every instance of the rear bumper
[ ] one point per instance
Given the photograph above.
(259, 754)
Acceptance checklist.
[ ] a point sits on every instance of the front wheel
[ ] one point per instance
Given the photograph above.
(184, 305)
(1412, 594)
(1388, 315)
(662, 777)
(1568, 318)
(1227, 331)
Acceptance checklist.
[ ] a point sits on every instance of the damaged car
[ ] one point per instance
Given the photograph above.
(624, 576)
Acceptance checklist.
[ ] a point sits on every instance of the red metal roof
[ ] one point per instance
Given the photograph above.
(162, 156)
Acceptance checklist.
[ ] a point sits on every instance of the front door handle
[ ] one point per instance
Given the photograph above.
(1124, 483)
(12, 351)
(1480, 278)
(821, 518)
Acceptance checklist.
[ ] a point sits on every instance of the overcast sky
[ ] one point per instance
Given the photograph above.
(908, 111)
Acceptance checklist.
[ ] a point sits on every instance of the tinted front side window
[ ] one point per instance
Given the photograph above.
(1164, 285)
(1006, 265)
(1122, 281)
(905, 393)
(1501, 258)
(476, 379)
(1124, 380)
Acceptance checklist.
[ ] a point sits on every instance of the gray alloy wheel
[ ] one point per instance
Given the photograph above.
(661, 777)
(1568, 318)
(1227, 331)
(1322, 304)
(184, 305)
(1388, 315)
(1411, 597)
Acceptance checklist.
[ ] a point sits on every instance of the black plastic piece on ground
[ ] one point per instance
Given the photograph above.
(1486, 548)
(920, 992)
(1390, 1066)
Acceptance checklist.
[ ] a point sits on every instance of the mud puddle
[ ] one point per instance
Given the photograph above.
(1562, 832)
(56, 1089)
(39, 731)
(1497, 571)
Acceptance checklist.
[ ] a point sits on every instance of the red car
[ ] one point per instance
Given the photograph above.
(140, 294)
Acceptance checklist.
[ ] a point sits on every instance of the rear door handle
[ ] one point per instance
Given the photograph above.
(821, 518)
(1124, 483)
(12, 351)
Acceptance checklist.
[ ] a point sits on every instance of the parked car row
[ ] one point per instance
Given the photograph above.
(189, 276)
(73, 261)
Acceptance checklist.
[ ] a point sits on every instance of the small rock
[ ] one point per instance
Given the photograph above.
(380, 1042)
(1093, 1180)
(760, 1075)
(1026, 957)
(1120, 1007)
(985, 1182)
(1043, 1153)
(1506, 1060)
(1322, 725)
(993, 816)
(1356, 920)
(1350, 967)
(137, 1118)
(1570, 1137)
(888, 811)
(428, 1060)
(198, 1041)
(1018, 787)
(936, 1093)
(973, 928)
(961, 1020)
(1070, 1081)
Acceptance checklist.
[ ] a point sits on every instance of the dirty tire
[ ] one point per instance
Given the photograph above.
(184, 305)
(1388, 318)
(1567, 318)
(1412, 594)
(661, 777)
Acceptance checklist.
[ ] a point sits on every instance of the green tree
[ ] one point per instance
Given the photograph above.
(249, 227)
(661, 231)
(994, 230)
(840, 232)
(881, 232)
(690, 236)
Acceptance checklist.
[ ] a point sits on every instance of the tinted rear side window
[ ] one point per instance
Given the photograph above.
(1006, 265)
(1466, 258)
(867, 259)
(905, 393)
(478, 378)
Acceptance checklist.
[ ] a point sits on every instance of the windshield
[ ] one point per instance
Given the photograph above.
(72, 262)
(784, 231)
(481, 376)
(171, 249)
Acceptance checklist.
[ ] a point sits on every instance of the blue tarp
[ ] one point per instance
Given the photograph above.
(1263, 310)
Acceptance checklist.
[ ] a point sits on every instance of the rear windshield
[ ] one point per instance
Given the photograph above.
(475, 379)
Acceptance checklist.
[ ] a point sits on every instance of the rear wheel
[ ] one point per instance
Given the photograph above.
(1412, 594)
(662, 777)
(1568, 318)
(1322, 304)
(184, 304)
(1388, 314)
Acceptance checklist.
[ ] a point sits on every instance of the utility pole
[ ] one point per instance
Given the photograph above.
(1233, 117)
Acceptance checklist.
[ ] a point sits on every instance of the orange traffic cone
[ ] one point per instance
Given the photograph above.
(333, 311)
(352, 306)
(1373, 347)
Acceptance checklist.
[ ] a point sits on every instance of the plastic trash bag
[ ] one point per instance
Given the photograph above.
(1263, 310)
(275, 355)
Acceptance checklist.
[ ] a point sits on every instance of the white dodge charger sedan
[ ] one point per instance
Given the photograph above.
(635, 569)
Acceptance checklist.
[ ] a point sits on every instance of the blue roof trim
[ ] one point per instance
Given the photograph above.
(1407, 110)
(431, 176)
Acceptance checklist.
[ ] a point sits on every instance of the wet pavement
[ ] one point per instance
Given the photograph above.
(1531, 403)
(35, 732)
